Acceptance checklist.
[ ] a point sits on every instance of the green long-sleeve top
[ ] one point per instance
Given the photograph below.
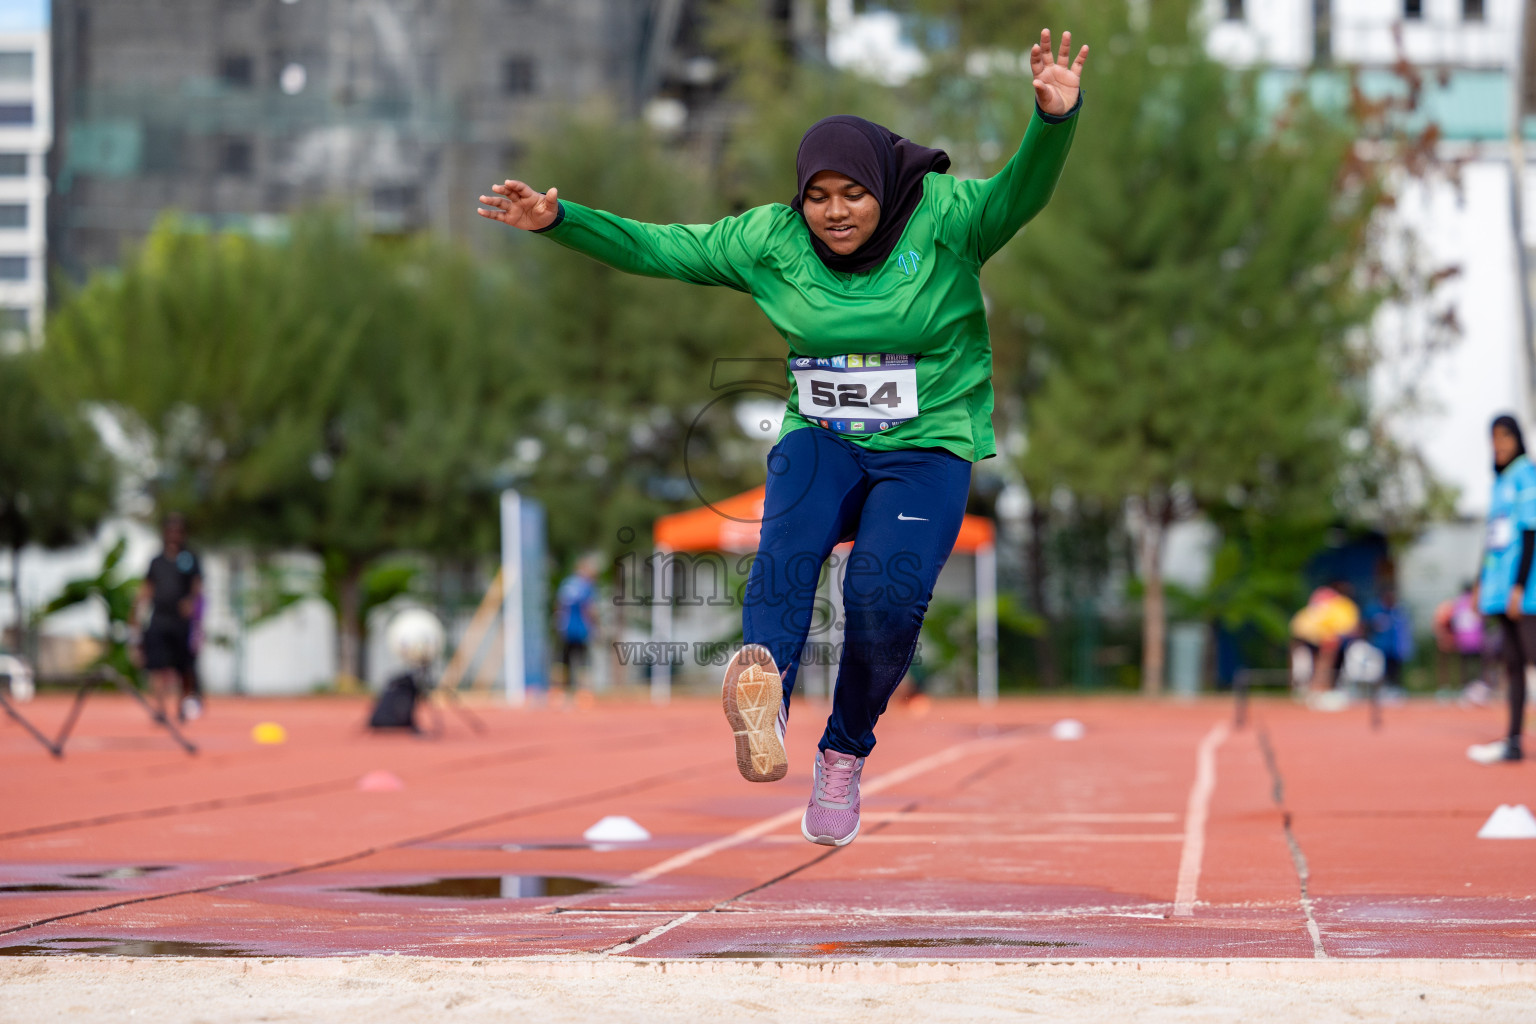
(924, 301)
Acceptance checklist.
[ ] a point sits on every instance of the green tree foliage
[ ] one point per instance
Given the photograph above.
(335, 392)
(116, 590)
(1191, 291)
(57, 481)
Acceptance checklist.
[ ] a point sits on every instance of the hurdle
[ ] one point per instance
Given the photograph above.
(102, 676)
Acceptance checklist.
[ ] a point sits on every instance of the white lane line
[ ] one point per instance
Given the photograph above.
(1194, 821)
(625, 947)
(1005, 837)
(778, 821)
(1082, 819)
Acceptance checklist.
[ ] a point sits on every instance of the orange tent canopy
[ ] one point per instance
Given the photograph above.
(733, 525)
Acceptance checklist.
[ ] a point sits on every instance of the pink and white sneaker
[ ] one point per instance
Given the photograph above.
(832, 816)
(752, 694)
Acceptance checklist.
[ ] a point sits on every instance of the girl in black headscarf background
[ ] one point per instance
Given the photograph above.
(1508, 552)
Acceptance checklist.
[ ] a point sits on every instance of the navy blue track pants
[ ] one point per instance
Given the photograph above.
(902, 510)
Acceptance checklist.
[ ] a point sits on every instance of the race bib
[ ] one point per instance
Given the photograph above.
(857, 394)
(1501, 533)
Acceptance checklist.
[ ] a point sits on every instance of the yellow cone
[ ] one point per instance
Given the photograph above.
(269, 732)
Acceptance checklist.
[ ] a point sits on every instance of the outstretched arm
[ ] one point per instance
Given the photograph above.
(517, 205)
(991, 211)
(713, 254)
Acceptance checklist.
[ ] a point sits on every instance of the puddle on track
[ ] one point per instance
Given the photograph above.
(869, 946)
(488, 887)
(124, 947)
(105, 874)
(132, 871)
(533, 846)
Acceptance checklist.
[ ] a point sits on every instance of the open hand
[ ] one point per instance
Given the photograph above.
(1056, 83)
(518, 206)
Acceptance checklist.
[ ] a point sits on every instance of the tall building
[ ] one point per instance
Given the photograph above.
(236, 112)
(25, 128)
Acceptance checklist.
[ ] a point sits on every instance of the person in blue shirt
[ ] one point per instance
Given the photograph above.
(574, 618)
(1509, 549)
(1390, 631)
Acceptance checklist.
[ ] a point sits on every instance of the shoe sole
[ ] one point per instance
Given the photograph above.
(752, 708)
(829, 840)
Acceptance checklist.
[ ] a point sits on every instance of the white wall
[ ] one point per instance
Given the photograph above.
(1436, 566)
(1271, 32)
(1280, 32)
(1362, 33)
(1463, 387)
(289, 654)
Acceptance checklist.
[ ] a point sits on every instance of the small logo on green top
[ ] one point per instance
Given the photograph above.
(908, 261)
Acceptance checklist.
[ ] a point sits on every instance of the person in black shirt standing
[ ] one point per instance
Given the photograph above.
(171, 588)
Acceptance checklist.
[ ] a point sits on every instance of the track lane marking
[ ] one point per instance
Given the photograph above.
(1193, 854)
(531, 810)
(758, 829)
(1075, 818)
(1005, 837)
(658, 931)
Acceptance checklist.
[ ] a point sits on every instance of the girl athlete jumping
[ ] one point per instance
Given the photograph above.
(872, 276)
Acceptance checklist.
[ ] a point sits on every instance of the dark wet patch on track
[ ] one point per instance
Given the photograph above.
(487, 887)
(125, 947)
(131, 871)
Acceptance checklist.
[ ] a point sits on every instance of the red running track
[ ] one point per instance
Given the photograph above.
(1306, 835)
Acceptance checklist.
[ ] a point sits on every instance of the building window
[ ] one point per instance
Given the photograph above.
(517, 76)
(1471, 10)
(13, 215)
(1413, 10)
(13, 320)
(15, 113)
(237, 157)
(13, 268)
(236, 70)
(15, 65)
(162, 149)
(1233, 10)
(13, 165)
(394, 198)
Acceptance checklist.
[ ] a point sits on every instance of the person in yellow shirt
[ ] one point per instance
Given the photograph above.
(1322, 628)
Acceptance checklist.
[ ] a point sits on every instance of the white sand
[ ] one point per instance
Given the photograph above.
(387, 990)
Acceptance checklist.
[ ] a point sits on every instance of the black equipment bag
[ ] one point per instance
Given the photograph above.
(396, 706)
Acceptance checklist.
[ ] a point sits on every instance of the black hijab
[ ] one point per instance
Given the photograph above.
(889, 166)
(1510, 424)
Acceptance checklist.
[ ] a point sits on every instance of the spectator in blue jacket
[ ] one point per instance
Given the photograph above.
(1390, 631)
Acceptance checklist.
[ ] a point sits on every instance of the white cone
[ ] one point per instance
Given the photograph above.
(1067, 729)
(616, 828)
(1510, 821)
